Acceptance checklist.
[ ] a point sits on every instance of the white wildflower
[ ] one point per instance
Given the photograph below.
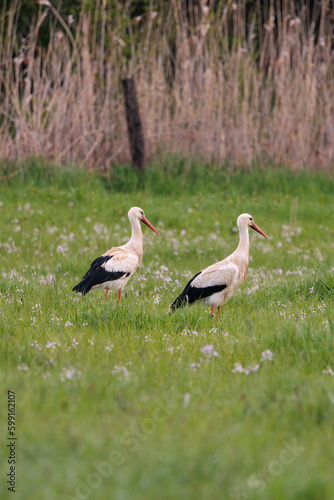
(267, 355)
(23, 367)
(69, 374)
(209, 351)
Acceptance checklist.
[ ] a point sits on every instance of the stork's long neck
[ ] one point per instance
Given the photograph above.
(136, 240)
(243, 247)
(241, 256)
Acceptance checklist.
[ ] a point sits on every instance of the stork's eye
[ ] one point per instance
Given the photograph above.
(142, 213)
(250, 218)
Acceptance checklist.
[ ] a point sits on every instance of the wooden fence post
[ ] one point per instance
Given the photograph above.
(135, 130)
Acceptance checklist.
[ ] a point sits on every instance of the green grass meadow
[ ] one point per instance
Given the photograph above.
(122, 402)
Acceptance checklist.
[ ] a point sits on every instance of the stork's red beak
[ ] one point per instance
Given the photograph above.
(147, 222)
(254, 226)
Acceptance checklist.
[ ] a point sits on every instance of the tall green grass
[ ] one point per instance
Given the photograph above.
(120, 401)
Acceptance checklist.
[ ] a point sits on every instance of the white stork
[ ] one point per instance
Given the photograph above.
(217, 283)
(116, 266)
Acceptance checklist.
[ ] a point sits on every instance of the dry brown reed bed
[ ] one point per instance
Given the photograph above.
(220, 89)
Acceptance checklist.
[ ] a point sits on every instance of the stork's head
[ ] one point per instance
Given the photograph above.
(246, 220)
(136, 213)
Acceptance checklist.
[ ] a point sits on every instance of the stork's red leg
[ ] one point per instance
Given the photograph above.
(212, 310)
(106, 294)
(119, 296)
(218, 312)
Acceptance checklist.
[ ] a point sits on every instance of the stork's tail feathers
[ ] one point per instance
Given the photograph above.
(83, 287)
(185, 297)
(181, 301)
(192, 293)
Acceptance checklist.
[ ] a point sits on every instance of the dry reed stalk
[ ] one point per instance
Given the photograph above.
(220, 88)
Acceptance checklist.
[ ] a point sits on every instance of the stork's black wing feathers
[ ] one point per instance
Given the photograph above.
(97, 274)
(191, 294)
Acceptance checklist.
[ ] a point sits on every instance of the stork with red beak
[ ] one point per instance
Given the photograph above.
(217, 283)
(115, 267)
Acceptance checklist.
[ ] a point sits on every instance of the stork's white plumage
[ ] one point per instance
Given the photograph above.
(115, 267)
(217, 283)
